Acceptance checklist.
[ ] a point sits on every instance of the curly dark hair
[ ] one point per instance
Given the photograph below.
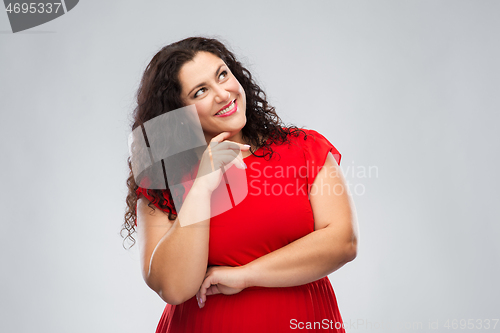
(159, 92)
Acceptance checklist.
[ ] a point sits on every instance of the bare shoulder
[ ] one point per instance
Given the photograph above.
(145, 209)
(152, 225)
(152, 222)
(330, 197)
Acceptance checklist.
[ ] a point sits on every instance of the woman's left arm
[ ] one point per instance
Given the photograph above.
(307, 259)
(329, 247)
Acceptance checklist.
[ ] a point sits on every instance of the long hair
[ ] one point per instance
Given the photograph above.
(159, 92)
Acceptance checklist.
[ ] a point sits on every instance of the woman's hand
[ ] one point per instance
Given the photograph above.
(218, 155)
(225, 280)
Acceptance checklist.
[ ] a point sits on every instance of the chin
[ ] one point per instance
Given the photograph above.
(233, 130)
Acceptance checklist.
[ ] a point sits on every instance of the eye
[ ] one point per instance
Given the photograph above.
(196, 94)
(223, 74)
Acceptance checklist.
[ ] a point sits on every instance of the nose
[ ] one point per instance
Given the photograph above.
(222, 95)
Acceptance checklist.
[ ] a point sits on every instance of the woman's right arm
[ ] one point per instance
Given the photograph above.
(174, 259)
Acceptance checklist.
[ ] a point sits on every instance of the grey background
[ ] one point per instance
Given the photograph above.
(408, 87)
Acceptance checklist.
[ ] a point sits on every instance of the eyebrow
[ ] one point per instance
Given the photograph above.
(204, 83)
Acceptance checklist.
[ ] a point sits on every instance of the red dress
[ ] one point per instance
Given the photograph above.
(275, 212)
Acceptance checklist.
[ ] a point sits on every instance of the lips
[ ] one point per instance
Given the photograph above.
(227, 109)
(225, 106)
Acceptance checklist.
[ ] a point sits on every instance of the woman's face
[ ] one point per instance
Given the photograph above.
(219, 98)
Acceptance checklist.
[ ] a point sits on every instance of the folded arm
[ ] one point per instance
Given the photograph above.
(312, 257)
(329, 247)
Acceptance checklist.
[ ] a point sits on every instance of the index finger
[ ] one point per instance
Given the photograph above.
(223, 136)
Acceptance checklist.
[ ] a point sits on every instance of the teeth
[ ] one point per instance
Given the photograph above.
(226, 109)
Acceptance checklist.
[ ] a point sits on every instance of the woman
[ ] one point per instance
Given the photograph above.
(263, 264)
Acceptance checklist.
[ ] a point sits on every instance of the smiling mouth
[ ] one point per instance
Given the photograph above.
(226, 109)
